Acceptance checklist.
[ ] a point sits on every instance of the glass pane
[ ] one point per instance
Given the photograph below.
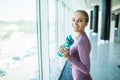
(61, 31)
(52, 39)
(18, 40)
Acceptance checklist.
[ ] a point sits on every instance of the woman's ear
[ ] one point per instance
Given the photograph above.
(86, 24)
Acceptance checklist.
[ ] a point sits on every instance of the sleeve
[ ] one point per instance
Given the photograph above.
(84, 64)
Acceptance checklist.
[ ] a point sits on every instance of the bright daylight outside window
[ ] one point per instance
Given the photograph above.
(18, 40)
(52, 39)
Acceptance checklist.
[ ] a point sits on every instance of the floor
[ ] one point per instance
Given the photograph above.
(105, 61)
(66, 74)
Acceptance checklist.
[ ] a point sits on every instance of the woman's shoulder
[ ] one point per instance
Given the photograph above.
(83, 37)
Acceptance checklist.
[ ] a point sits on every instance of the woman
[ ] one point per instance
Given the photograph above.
(78, 55)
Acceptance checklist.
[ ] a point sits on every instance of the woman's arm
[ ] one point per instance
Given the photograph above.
(84, 64)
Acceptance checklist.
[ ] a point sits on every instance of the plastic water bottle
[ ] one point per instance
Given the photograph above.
(68, 43)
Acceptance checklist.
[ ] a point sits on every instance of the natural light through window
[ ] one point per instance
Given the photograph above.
(18, 40)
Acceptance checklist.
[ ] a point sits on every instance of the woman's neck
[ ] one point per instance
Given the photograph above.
(79, 33)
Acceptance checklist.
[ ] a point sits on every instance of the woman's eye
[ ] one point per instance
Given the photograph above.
(73, 19)
(80, 20)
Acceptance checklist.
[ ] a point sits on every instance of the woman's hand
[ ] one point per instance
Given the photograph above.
(64, 51)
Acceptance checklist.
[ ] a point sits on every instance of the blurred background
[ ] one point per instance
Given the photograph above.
(32, 30)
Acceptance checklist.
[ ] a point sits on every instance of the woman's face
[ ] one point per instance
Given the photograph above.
(79, 22)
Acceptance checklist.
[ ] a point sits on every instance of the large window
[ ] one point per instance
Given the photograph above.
(52, 38)
(18, 40)
(30, 33)
(58, 30)
(58, 27)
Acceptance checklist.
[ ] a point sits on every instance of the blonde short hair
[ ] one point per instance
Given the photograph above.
(84, 13)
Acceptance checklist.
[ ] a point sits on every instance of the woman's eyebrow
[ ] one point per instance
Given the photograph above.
(80, 18)
(77, 19)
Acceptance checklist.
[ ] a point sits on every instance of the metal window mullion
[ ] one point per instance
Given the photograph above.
(43, 37)
(39, 40)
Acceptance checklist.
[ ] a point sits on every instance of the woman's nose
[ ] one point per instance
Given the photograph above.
(75, 23)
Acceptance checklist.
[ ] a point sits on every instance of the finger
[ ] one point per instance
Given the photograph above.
(65, 49)
(61, 50)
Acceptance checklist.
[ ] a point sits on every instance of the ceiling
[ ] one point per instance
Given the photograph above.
(115, 4)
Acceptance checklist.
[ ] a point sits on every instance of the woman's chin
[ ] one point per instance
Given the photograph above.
(75, 30)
